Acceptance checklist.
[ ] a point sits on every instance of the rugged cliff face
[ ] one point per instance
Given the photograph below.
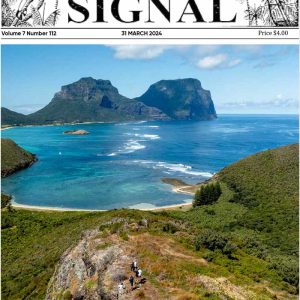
(182, 99)
(93, 100)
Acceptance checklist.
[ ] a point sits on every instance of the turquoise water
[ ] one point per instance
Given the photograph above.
(121, 165)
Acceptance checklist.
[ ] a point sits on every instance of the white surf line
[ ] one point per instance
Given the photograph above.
(61, 209)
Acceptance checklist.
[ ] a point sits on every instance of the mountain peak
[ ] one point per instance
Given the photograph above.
(88, 89)
(184, 81)
(90, 99)
(182, 99)
(91, 80)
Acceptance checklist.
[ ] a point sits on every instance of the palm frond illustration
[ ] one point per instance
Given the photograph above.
(247, 10)
(273, 13)
(254, 14)
(39, 19)
(27, 13)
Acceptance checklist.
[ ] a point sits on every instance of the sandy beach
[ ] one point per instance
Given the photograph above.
(6, 128)
(177, 187)
(16, 205)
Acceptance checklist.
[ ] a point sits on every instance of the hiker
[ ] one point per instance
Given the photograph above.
(131, 280)
(139, 273)
(132, 266)
(135, 265)
(143, 280)
(121, 288)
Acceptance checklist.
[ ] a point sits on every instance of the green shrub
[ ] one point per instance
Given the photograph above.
(170, 227)
(210, 212)
(123, 235)
(211, 240)
(229, 249)
(6, 220)
(5, 200)
(67, 295)
(209, 256)
(287, 268)
(115, 228)
(214, 240)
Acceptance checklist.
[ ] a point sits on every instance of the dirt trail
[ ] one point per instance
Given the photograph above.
(167, 247)
(100, 261)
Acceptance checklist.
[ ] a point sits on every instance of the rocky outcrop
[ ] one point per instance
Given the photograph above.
(14, 158)
(76, 132)
(182, 99)
(94, 267)
(90, 270)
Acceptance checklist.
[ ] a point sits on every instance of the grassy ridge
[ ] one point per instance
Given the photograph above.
(257, 214)
(13, 157)
(267, 184)
(34, 241)
(258, 209)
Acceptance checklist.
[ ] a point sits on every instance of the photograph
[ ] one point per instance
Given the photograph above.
(150, 171)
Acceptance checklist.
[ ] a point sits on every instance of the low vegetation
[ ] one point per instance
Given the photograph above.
(14, 158)
(5, 200)
(258, 210)
(245, 242)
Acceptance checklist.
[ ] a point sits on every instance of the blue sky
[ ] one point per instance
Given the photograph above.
(241, 78)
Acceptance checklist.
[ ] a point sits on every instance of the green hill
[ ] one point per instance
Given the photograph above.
(267, 183)
(244, 246)
(14, 158)
(9, 117)
(258, 209)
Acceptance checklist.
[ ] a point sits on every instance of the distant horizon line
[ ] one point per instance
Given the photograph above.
(218, 114)
(273, 114)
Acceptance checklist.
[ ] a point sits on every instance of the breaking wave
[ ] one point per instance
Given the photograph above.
(145, 136)
(132, 146)
(170, 168)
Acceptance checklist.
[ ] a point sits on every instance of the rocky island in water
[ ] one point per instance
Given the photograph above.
(91, 100)
(76, 132)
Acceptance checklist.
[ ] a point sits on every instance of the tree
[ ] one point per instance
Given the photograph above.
(208, 194)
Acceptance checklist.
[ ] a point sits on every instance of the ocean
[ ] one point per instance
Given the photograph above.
(121, 165)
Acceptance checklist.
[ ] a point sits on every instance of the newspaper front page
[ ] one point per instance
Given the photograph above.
(149, 149)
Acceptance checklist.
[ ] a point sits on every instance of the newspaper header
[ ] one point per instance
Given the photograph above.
(150, 19)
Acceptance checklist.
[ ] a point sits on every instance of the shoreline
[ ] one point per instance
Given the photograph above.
(61, 209)
(47, 125)
(182, 189)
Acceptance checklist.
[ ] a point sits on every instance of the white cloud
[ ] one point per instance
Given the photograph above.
(234, 62)
(138, 51)
(205, 57)
(217, 61)
(211, 62)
